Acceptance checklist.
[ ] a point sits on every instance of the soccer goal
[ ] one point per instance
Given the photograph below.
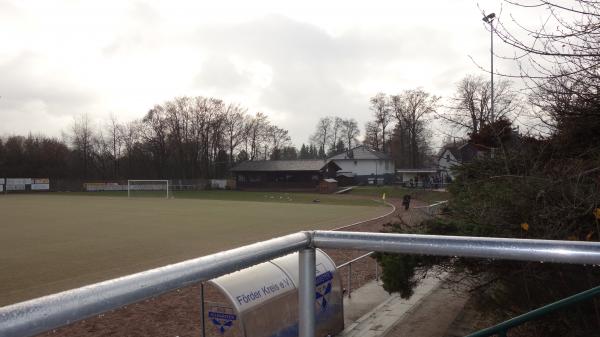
(148, 188)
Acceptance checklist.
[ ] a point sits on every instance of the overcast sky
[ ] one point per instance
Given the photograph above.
(295, 62)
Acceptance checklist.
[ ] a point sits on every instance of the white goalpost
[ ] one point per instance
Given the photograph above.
(147, 185)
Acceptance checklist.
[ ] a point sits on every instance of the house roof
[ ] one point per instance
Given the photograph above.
(465, 152)
(281, 165)
(454, 150)
(360, 152)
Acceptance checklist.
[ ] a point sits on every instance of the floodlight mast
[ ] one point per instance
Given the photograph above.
(489, 19)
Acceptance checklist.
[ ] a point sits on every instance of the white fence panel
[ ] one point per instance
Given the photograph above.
(220, 184)
(15, 187)
(18, 181)
(40, 187)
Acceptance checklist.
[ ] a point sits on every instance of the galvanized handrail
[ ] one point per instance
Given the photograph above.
(354, 260)
(49, 312)
(46, 313)
(349, 264)
(577, 252)
(502, 328)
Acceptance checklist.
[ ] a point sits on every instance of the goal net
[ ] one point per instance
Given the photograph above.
(148, 188)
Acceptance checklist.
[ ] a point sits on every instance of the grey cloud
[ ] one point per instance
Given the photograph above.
(220, 73)
(21, 85)
(313, 73)
(310, 68)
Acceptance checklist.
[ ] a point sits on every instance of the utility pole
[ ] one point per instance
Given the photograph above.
(489, 19)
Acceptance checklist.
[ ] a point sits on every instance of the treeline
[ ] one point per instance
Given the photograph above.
(401, 124)
(184, 138)
(199, 137)
(400, 128)
(333, 135)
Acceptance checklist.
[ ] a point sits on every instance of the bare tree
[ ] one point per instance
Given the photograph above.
(350, 131)
(382, 113)
(114, 133)
(129, 134)
(469, 108)
(400, 135)
(565, 44)
(185, 138)
(336, 130)
(234, 127)
(278, 139)
(257, 133)
(155, 134)
(82, 139)
(323, 133)
(412, 107)
(559, 59)
(372, 135)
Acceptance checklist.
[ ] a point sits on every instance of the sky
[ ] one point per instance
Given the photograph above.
(294, 61)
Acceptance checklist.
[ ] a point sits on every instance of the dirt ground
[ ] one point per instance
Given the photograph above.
(178, 313)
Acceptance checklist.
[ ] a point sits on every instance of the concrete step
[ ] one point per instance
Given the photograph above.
(380, 320)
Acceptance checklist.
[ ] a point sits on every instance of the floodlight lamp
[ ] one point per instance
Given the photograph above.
(489, 18)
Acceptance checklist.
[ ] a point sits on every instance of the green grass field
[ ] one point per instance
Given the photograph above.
(427, 196)
(279, 197)
(54, 242)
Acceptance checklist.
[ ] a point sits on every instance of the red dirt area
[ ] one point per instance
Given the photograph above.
(178, 313)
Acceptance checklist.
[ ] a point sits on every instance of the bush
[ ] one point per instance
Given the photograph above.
(531, 188)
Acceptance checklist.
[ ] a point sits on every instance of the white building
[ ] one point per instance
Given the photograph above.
(448, 158)
(417, 177)
(452, 156)
(365, 165)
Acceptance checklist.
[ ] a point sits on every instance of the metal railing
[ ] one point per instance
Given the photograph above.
(42, 314)
(433, 209)
(349, 264)
(502, 328)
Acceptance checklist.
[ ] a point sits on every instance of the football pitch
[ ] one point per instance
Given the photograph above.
(54, 242)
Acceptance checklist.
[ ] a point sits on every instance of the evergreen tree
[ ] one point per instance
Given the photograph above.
(304, 152)
(289, 153)
(275, 154)
(312, 152)
(242, 156)
(322, 154)
(340, 146)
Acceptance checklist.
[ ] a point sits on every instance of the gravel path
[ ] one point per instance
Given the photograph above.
(178, 313)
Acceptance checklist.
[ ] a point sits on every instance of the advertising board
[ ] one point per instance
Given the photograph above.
(40, 187)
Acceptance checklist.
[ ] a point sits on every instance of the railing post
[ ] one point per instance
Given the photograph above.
(202, 309)
(306, 293)
(376, 271)
(349, 280)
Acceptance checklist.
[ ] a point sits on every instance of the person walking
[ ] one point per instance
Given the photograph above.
(406, 201)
